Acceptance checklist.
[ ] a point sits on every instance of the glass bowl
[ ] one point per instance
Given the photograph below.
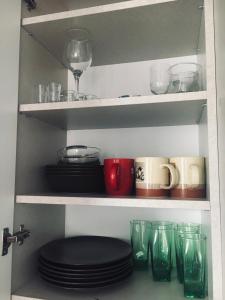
(78, 154)
(184, 77)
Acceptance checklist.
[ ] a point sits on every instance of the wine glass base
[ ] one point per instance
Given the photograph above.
(83, 97)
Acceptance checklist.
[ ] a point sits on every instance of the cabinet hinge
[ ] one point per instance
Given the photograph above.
(31, 4)
(18, 238)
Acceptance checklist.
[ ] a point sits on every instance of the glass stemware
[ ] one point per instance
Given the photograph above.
(77, 54)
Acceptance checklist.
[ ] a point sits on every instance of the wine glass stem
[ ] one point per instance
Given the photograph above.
(77, 78)
(77, 74)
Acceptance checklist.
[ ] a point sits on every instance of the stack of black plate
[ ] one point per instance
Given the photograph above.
(75, 178)
(85, 262)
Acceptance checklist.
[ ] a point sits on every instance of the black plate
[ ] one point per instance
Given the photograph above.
(84, 170)
(84, 272)
(94, 175)
(76, 184)
(93, 165)
(73, 286)
(92, 169)
(86, 252)
(84, 279)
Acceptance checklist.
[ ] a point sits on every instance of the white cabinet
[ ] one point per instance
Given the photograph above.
(127, 36)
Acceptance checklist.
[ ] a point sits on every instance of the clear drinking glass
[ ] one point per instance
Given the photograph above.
(159, 78)
(77, 54)
(39, 93)
(195, 266)
(179, 231)
(68, 95)
(140, 237)
(161, 250)
(54, 92)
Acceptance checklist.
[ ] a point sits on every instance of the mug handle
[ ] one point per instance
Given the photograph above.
(195, 176)
(114, 176)
(173, 176)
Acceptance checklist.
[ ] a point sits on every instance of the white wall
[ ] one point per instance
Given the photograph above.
(134, 142)
(121, 79)
(114, 221)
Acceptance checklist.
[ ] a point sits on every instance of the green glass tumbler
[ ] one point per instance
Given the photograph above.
(195, 266)
(178, 231)
(161, 250)
(140, 237)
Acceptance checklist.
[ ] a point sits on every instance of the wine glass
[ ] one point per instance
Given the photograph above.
(77, 54)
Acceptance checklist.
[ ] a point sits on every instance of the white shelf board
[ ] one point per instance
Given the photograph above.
(143, 111)
(133, 30)
(140, 286)
(72, 199)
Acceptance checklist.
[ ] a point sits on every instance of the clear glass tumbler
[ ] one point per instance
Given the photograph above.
(195, 266)
(161, 250)
(159, 78)
(39, 93)
(179, 231)
(140, 237)
(54, 92)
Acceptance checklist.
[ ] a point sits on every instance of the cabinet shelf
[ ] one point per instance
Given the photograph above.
(140, 286)
(127, 25)
(82, 200)
(143, 111)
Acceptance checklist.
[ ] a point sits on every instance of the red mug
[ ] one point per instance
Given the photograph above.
(119, 176)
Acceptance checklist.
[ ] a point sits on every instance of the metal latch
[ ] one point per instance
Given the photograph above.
(18, 237)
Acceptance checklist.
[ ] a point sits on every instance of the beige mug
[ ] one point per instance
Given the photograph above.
(155, 176)
(190, 177)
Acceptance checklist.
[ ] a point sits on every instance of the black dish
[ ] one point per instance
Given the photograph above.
(73, 167)
(86, 252)
(84, 272)
(93, 163)
(76, 184)
(99, 284)
(84, 279)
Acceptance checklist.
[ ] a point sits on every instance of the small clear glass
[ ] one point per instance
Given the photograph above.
(39, 93)
(180, 230)
(195, 266)
(68, 95)
(159, 78)
(54, 92)
(161, 241)
(140, 237)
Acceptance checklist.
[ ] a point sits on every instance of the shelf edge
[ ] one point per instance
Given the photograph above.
(16, 297)
(116, 202)
(91, 10)
(151, 99)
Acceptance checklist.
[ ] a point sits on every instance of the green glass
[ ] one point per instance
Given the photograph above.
(161, 250)
(140, 237)
(194, 260)
(179, 230)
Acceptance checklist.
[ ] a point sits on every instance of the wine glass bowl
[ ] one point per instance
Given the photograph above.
(77, 54)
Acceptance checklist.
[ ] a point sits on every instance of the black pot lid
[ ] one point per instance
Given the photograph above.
(86, 251)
